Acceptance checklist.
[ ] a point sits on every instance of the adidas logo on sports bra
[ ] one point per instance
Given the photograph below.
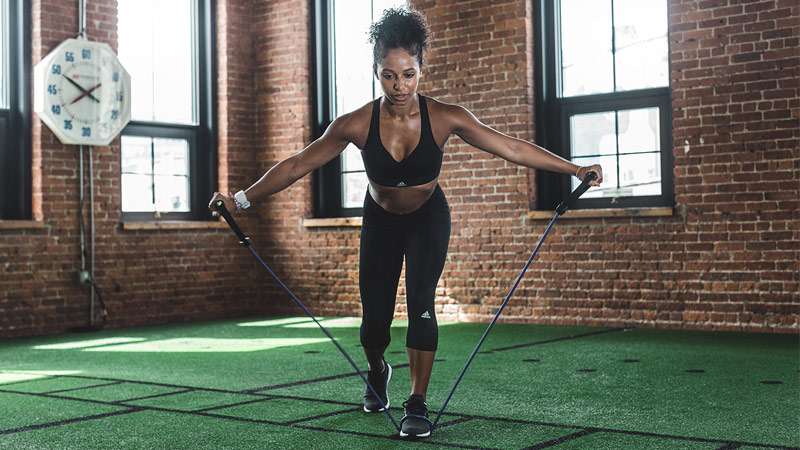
(401, 184)
(425, 315)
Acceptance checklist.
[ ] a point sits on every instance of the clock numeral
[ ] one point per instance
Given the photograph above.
(86, 54)
(115, 77)
(56, 109)
(67, 124)
(56, 69)
(114, 113)
(119, 96)
(52, 89)
(86, 131)
(69, 56)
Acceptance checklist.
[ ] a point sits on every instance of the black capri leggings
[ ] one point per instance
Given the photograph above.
(422, 237)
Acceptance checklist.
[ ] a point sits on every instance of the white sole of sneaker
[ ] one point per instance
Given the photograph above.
(423, 435)
(387, 393)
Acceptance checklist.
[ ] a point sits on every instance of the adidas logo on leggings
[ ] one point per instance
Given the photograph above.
(425, 315)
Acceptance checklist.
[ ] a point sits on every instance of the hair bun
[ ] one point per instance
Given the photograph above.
(399, 28)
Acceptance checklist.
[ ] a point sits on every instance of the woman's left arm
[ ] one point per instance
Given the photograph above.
(472, 131)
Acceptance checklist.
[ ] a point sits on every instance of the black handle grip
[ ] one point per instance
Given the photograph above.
(575, 195)
(220, 207)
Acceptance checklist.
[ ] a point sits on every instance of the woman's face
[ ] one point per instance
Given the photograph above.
(398, 73)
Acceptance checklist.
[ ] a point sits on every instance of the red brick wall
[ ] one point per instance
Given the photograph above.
(726, 260)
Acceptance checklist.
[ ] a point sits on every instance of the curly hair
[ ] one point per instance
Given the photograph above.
(399, 28)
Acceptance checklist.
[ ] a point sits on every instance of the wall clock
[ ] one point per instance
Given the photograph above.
(82, 92)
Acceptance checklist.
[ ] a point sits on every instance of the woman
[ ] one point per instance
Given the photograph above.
(406, 215)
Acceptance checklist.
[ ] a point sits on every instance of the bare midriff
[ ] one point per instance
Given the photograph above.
(402, 200)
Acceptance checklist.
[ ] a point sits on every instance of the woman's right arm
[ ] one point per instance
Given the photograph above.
(282, 175)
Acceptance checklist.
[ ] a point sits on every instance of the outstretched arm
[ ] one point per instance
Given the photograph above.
(295, 167)
(471, 130)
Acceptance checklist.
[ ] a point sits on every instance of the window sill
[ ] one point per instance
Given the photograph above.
(21, 224)
(332, 222)
(174, 225)
(610, 212)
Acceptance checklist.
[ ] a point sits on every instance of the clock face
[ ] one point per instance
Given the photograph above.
(82, 92)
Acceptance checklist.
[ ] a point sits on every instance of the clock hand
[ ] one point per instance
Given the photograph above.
(81, 89)
(89, 93)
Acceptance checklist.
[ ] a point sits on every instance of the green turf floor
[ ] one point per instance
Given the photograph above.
(280, 383)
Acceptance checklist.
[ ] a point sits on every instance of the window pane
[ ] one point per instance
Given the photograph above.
(593, 134)
(640, 28)
(171, 157)
(136, 155)
(137, 192)
(354, 187)
(352, 56)
(351, 159)
(4, 54)
(155, 185)
(632, 169)
(639, 130)
(586, 57)
(156, 41)
(172, 193)
(640, 173)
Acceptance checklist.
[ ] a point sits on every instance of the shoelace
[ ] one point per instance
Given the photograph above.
(376, 380)
(416, 406)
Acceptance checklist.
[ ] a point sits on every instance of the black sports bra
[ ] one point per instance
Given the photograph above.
(421, 166)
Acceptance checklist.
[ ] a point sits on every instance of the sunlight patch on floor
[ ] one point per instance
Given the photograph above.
(89, 343)
(201, 345)
(13, 376)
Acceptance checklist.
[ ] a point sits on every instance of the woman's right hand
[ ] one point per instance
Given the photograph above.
(229, 203)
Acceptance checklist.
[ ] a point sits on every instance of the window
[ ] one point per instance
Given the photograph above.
(603, 98)
(345, 83)
(15, 110)
(167, 150)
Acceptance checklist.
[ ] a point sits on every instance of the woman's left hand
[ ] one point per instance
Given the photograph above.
(596, 169)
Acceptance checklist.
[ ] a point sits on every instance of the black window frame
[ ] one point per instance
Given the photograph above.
(202, 137)
(553, 121)
(15, 122)
(327, 180)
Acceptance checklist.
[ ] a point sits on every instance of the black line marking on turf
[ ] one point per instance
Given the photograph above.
(304, 382)
(630, 360)
(85, 387)
(454, 422)
(695, 371)
(730, 446)
(565, 338)
(322, 416)
(390, 437)
(530, 360)
(68, 421)
(233, 405)
(771, 382)
(163, 394)
(587, 370)
(562, 439)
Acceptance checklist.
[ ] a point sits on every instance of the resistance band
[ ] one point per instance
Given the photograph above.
(560, 209)
(245, 241)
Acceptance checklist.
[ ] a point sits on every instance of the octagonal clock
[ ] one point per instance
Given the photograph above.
(82, 92)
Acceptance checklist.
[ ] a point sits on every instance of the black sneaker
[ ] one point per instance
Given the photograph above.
(415, 423)
(379, 381)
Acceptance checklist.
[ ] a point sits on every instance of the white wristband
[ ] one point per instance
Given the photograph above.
(242, 199)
